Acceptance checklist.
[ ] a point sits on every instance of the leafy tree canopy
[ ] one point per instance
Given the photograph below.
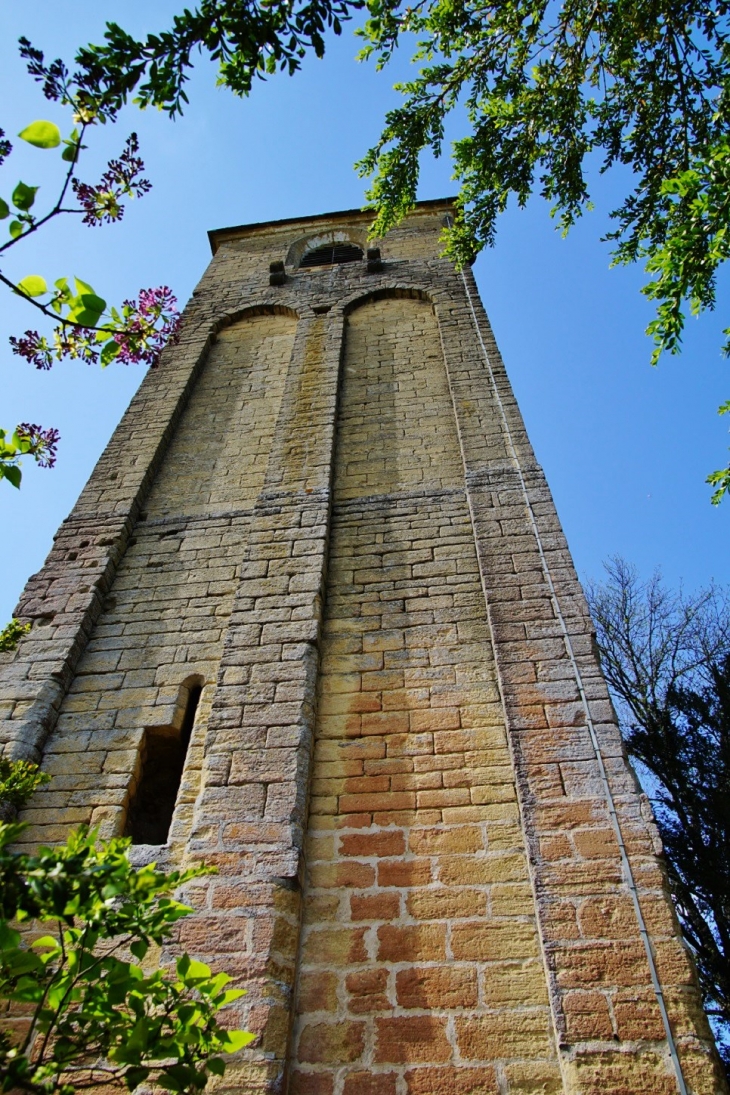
(549, 90)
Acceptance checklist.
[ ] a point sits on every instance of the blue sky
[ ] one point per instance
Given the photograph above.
(625, 447)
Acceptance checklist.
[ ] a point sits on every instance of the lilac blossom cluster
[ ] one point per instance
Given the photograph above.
(34, 348)
(42, 442)
(147, 326)
(61, 86)
(101, 203)
(141, 339)
(54, 77)
(74, 342)
(78, 343)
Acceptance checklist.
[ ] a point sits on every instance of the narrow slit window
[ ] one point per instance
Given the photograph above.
(163, 758)
(332, 255)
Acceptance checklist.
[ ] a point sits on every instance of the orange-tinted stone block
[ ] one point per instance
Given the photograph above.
(451, 1081)
(437, 987)
(366, 989)
(412, 943)
(331, 1043)
(406, 1040)
(370, 1083)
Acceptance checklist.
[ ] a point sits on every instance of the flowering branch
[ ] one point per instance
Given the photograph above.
(101, 203)
(85, 327)
(136, 334)
(27, 439)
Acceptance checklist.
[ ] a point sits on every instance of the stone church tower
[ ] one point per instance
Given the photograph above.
(313, 620)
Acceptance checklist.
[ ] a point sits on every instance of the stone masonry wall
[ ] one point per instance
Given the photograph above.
(323, 506)
(420, 963)
(164, 621)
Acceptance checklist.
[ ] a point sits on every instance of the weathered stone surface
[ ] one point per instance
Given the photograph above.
(323, 509)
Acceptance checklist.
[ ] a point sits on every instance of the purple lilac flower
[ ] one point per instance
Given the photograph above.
(149, 324)
(43, 443)
(142, 340)
(54, 77)
(34, 348)
(76, 342)
(101, 203)
(68, 341)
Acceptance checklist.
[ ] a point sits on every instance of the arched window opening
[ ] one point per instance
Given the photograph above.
(332, 255)
(163, 758)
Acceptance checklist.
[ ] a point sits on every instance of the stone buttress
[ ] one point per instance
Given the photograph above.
(318, 564)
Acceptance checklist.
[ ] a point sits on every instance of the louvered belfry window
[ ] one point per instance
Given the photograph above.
(332, 255)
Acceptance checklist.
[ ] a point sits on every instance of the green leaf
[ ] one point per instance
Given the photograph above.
(84, 318)
(721, 480)
(216, 1065)
(41, 134)
(196, 970)
(21, 961)
(90, 302)
(23, 197)
(135, 1076)
(9, 938)
(183, 965)
(4, 209)
(139, 947)
(83, 286)
(46, 941)
(73, 147)
(139, 1037)
(237, 1039)
(87, 309)
(27, 989)
(13, 474)
(33, 286)
(109, 352)
(15, 229)
(169, 1083)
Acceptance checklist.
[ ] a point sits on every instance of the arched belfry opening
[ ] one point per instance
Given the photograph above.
(332, 254)
(328, 247)
(163, 753)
